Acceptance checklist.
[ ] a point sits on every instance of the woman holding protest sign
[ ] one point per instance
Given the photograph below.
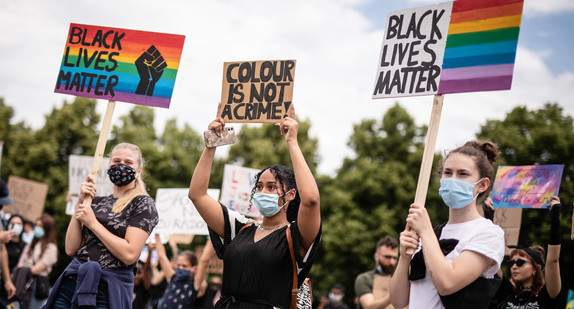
(529, 286)
(106, 237)
(258, 270)
(456, 261)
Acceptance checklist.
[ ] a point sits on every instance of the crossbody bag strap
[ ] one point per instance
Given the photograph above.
(294, 290)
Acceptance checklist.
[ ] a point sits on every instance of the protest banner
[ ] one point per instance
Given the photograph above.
(236, 189)
(509, 219)
(177, 214)
(257, 91)
(78, 170)
(29, 197)
(118, 65)
(528, 186)
(452, 47)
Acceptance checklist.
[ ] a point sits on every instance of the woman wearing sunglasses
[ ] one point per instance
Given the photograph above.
(529, 286)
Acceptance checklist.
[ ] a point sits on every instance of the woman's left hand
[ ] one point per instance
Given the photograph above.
(418, 219)
(288, 127)
(85, 214)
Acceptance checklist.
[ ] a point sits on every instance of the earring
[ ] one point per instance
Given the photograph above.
(534, 273)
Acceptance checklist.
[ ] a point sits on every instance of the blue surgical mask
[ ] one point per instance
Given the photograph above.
(38, 232)
(17, 228)
(457, 193)
(268, 204)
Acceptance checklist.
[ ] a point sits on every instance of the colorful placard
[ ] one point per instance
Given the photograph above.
(257, 91)
(120, 65)
(236, 188)
(529, 186)
(453, 47)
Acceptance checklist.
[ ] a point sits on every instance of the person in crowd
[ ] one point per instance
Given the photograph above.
(257, 264)
(28, 233)
(372, 287)
(534, 282)
(15, 246)
(456, 263)
(106, 237)
(8, 288)
(185, 283)
(39, 256)
(212, 293)
(142, 285)
(334, 300)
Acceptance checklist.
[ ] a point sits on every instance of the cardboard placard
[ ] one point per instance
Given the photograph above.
(257, 91)
(452, 47)
(177, 214)
(509, 219)
(236, 189)
(78, 170)
(120, 64)
(528, 186)
(29, 197)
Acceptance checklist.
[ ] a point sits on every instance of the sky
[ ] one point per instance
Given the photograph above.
(336, 43)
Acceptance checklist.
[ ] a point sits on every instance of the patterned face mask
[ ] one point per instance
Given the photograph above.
(121, 175)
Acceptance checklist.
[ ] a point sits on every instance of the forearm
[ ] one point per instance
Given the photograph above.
(125, 251)
(38, 268)
(552, 271)
(306, 184)
(74, 237)
(400, 284)
(5, 269)
(438, 267)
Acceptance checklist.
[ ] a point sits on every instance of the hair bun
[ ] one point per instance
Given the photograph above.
(490, 150)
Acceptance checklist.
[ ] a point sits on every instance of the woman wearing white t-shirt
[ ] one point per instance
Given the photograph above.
(459, 269)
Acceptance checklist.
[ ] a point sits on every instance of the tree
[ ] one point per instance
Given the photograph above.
(370, 196)
(532, 137)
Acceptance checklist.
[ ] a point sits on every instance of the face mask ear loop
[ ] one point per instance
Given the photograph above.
(285, 201)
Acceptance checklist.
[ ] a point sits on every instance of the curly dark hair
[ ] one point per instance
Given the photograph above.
(285, 176)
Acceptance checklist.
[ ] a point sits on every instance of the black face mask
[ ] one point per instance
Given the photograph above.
(121, 174)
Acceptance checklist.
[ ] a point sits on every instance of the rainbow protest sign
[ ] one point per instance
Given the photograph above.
(452, 47)
(529, 186)
(120, 65)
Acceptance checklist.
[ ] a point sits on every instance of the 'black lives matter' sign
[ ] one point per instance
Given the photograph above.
(412, 52)
(257, 91)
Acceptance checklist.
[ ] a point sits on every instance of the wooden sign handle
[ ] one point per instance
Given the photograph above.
(428, 154)
(101, 147)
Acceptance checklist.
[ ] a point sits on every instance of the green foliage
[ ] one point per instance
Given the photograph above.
(544, 136)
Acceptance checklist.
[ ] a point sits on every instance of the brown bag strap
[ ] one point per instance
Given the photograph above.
(294, 290)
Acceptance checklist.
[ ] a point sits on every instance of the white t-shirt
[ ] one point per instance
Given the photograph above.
(479, 235)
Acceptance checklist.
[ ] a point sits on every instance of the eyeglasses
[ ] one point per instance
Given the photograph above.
(518, 262)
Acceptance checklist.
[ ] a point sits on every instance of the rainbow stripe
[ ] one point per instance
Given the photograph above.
(80, 62)
(481, 45)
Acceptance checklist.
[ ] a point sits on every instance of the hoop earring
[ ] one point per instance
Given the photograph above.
(534, 273)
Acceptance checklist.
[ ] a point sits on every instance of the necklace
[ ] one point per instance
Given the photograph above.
(268, 229)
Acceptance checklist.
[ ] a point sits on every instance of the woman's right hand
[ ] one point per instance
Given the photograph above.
(217, 125)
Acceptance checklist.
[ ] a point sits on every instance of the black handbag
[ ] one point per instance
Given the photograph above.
(42, 287)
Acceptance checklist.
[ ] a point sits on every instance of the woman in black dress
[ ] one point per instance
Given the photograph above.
(258, 271)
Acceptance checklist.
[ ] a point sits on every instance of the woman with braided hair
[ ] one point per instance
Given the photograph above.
(257, 269)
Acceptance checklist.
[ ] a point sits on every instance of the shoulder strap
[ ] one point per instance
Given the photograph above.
(294, 290)
(244, 226)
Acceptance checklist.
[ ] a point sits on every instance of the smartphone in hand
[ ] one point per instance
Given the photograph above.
(227, 137)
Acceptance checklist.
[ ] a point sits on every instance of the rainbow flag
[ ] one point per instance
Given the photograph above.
(481, 45)
(120, 65)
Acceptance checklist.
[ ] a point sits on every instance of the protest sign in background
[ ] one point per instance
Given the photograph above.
(257, 91)
(120, 64)
(236, 189)
(29, 197)
(78, 170)
(509, 219)
(528, 186)
(177, 214)
(452, 47)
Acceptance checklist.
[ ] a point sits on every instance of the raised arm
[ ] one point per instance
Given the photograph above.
(200, 283)
(208, 208)
(166, 268)
(552, 269)
(309, 216)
